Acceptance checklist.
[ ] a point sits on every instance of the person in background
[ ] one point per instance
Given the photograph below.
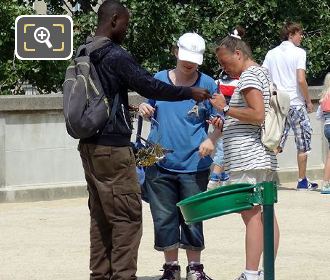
(114, 193)
(226, 85)
(183, 128)
(323, 113)
(245, 157)
(287, 66)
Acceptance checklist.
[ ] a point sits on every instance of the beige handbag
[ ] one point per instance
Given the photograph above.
(273, 127)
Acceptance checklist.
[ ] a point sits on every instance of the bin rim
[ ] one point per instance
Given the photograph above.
(217, 214)
(230, 189)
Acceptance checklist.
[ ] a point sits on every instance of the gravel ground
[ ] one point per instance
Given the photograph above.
(49, 240)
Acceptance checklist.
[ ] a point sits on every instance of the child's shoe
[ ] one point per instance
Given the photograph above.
(217, 179)
(171, 272)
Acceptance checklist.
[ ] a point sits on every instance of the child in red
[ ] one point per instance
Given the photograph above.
(226, 86)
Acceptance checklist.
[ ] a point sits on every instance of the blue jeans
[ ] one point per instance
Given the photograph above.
(165, 189)
(327, 133)
(218, 156)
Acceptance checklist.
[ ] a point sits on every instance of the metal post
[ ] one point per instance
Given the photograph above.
(269, 197)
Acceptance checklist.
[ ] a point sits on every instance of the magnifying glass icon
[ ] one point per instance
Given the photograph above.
(41, 35)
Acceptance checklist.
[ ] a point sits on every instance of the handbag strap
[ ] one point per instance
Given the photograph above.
(139, 129)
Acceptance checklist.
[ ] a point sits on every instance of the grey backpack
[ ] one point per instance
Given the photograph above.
(85, 106)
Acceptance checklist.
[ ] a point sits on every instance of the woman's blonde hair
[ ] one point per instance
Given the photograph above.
(326, 86)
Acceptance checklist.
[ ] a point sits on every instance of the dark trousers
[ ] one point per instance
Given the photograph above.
(115, 211)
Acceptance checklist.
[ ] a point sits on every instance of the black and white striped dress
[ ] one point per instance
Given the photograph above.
(243, 149)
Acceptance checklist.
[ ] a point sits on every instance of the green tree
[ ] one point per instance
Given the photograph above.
(162, 22)
(45, 76)
(156, 25)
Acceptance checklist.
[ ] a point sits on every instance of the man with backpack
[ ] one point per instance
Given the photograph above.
(286, 65)
(107, 157)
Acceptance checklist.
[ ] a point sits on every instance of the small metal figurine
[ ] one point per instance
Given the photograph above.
(194, 110)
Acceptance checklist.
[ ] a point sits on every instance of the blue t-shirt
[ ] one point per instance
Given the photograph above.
(182, 132)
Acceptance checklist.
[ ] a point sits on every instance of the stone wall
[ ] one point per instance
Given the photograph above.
(39, 160)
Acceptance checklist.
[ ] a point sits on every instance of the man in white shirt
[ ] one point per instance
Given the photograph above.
(287, 65)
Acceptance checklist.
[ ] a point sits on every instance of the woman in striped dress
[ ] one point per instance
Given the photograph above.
(246, 159)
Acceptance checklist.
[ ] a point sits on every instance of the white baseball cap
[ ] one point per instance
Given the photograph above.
(191, 48)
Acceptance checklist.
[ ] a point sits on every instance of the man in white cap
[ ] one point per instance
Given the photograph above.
(184, 172)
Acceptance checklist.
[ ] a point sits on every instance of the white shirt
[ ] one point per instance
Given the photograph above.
(282, 63)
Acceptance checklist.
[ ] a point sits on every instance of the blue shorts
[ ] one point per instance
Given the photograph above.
(298, 120)
(218, 156)
(327, 133)
(165, 189)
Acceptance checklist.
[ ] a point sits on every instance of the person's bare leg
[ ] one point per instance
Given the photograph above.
(171, 256)
(302, 164)
(253, 237)
(276, 236)
(326, 176)
(217, 169)
(193, 256)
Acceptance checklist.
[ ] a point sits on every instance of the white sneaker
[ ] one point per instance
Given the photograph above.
(241, 277)
(213, 185)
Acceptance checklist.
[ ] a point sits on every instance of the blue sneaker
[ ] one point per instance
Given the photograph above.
(305, 185)
(224, 176)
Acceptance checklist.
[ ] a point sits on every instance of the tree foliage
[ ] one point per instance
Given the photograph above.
(156, 25)
(45, 76)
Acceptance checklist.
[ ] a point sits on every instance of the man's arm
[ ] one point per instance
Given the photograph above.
(141, 81)
(303, 86)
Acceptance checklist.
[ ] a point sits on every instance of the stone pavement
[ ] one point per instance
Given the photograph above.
(49, 240)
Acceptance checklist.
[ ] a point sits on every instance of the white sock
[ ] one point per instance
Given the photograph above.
(193, 263)
(251, 275)
(173, 263)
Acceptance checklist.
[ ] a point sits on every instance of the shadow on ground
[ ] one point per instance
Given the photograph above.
(152, 277)
(294, 189)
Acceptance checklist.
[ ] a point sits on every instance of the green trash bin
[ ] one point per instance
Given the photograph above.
(217, 202)
(234, 199)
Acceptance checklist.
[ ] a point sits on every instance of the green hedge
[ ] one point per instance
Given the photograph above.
(156, 25)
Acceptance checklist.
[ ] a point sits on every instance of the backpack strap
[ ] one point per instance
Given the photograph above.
(81, 51)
